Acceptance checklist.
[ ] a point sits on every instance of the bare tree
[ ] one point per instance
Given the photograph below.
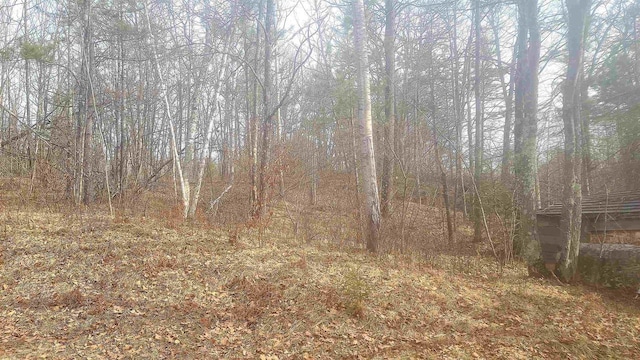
(388, 162)
(526, 105)
(479, 124)
(85, 115)
(184, 185)
(577, 12)
(268, 109)
(220, 77)
(372, 199)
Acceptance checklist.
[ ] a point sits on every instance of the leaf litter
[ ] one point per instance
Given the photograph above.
(89, 287)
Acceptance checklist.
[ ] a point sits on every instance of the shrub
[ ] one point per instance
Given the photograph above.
(355, 291)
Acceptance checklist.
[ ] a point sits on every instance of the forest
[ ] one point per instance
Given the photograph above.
(320, 179)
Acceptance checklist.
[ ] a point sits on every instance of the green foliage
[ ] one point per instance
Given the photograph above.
(355, 291)
(497, 198)
(6, 53)
(212, 168)
(610, 274)
(37, 52)
(345, 95)
(124, 27)
(629, 127)
(625, 137)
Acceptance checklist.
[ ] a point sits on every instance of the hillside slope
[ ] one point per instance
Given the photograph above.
(84, 286)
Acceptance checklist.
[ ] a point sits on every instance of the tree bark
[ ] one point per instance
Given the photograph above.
(585, 115)
(372, 207)
(526, 89)
(388, 162)
(268, 115)
(479, 125)
(253, 126)
(577, 11)
(507, 93)
(443, 174)
(184, 186)
(87, 191)
(313, 189)
(458, 112)
(201, 165)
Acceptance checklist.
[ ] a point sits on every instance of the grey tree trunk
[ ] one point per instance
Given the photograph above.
(526, 88)
(356, 176)
(577, 12)
(86, 96)
(220, 77)
(27, 90)
(253, 126)
(201, 165)
(458, 111)
(184, 185)
(388, 162)
(479, 125)
(268, 115)
(586, 134)
(313, 189)
(279, 130)
(120, 111)
(443, 174)
(372, 199)
(507, 93)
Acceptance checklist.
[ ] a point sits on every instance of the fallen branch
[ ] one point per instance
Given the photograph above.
(215, 202)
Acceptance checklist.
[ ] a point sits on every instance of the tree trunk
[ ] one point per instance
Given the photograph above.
(121, 163)
(253, 128)
(356, 176)
(586, 137)
(313, 190)
(268, 115)
(458, 113)
(526, 88)
(443, 174)
(85, 115)
(577, 11)
(201, 165)
(507, 94)
(279, 139)
(184, 186)
(388, 162)
(372, 208)
(195, 196)
(479, 141)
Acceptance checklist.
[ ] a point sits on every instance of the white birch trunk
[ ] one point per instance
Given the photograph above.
(372, 207)
(193, 204)
(184, 186)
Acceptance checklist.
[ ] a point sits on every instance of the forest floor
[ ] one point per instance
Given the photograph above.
(81, 285)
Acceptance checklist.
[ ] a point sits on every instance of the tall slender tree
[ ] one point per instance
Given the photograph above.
(479, 124)
(388, 162)
(183, 183)
(268, 109)
(370, 183)
(577, 12)
(85, 106)
(526, 104)
(253, 120)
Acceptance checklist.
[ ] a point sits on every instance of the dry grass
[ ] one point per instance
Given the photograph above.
(77, 284)
(84, 286)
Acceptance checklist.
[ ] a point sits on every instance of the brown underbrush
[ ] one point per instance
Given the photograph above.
(80, 284)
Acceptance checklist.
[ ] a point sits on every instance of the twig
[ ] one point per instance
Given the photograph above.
(215, 202)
